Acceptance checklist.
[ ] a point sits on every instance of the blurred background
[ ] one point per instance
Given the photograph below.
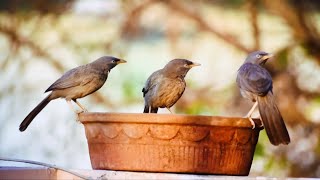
(41, 39)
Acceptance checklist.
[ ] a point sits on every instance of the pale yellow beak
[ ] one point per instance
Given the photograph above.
(121, 61)
(266, 57)
(194, 64)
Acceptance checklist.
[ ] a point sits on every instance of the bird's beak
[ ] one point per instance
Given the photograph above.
(121, 61)
(194, 64)
(266, 57)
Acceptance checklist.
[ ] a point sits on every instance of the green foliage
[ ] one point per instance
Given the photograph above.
(259, 150)
(276, 163)
(229, 3)
(282, 59)
(200, 107)
(316, 100)
(131, 92)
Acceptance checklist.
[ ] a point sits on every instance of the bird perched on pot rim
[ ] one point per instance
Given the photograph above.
(165, 86)
(255, 83)
(76, 83)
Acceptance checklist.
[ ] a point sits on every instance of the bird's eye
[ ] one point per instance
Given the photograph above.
(186, 65)
(113, 61)
(258, 56)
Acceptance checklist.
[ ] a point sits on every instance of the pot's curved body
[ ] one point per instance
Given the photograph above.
(170, 143)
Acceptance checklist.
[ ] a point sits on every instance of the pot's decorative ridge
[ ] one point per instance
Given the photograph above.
(165, 132)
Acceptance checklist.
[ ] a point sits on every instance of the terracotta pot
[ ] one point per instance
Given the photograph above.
(170, 143)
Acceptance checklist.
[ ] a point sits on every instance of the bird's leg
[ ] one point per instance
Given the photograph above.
(252, 122)
(261, 121)
(250, 113)
(153, 110)
(76, 111)
(81, 106)
(252, 109)
(70, 105)
(169, 110)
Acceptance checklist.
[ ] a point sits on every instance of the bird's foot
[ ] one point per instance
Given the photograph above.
(82, 107)
(78, 112)
(252, 122)
(261, 122)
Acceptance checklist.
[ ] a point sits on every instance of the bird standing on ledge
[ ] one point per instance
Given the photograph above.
(255, 83)
(165, 86)
(76, 83)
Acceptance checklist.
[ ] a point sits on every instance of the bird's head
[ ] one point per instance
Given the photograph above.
(179, 67)
(258, 57)
(107, 63)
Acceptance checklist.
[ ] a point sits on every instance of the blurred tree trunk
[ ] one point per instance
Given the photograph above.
(298, 15)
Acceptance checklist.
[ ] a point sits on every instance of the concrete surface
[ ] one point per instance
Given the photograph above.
(50, 173)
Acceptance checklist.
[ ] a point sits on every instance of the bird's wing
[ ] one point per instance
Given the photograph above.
(74, 77)
(170, 90)
(151, 82)
(255, 79)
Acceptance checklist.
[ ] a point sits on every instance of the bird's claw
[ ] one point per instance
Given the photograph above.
(78, 112)
(261, 122)
(252, 122)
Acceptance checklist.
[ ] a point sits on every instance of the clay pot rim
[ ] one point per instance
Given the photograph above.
(167, 119)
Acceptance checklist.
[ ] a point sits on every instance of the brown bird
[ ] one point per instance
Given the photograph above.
(165, 86)
(76, 83)
(255, 83)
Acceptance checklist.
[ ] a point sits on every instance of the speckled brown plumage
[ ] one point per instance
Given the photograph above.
(165, 86)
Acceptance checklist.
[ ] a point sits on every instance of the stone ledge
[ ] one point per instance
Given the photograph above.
(9, 173)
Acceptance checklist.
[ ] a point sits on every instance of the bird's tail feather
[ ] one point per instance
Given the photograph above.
(25, 123)
(272, 120)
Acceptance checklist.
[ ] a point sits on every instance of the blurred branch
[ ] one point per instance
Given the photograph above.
(13, 49)
(297, 16)
(287, 12)
(131, 23)
(16, 38)
(130, 27)
(177, 6)
(40, 6)
(252, 8)
(280, 66)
